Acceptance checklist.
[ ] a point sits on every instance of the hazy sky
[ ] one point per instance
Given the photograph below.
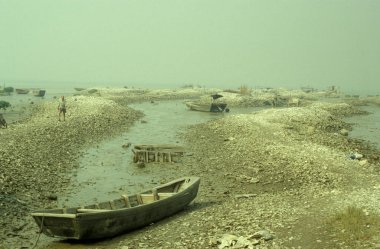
(222, 43)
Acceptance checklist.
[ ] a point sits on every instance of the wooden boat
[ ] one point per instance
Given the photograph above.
(22, 91)
(39, 93)
(111, 218)
(213, 107)
(157, 153)
(79, 88)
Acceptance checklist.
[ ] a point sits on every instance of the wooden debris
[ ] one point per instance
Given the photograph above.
(157, 153)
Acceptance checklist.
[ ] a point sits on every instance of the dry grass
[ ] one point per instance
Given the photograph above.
(245, 90)
(354, 225)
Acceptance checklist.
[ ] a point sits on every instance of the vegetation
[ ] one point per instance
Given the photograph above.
(191, 86)
(188, 86)
(353, 225)
(243, 89)
(4, 105)
(8, 89)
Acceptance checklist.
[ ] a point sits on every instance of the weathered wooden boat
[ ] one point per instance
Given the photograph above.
(22, 91)
(157, 153)
(213, 107)
(39, 93)
(115, 217)
(79, 88)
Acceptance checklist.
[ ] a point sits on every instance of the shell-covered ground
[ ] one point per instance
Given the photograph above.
(269, 179)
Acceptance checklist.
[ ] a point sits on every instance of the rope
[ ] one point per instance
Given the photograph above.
(38, 238)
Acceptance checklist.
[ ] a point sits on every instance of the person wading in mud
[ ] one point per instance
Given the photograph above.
(62, 108)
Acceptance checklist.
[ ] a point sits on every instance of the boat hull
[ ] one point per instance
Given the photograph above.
(213, 107)
(22, 91)
(39, 93)
(99, 225)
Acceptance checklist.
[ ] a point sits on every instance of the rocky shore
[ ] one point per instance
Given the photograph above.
(38, 152)
(269, 179)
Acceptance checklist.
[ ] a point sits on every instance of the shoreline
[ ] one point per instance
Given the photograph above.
(260, 154)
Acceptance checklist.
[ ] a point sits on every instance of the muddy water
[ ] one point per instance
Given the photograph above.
(21, 103)
(107, 170)
(367, 127)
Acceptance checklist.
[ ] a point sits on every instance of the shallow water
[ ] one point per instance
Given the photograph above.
(107, 170)
(19, 102)
(367, 127)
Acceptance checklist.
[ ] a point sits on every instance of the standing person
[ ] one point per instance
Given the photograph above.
(62, 108)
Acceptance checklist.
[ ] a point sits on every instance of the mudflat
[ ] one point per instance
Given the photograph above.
(273, 178)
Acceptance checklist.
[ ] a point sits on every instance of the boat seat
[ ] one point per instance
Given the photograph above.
(164, 195)
(147, 198)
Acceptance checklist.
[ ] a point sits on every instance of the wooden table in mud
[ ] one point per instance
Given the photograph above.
(157, 153)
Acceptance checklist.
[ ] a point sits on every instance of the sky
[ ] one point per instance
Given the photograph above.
(211, 43)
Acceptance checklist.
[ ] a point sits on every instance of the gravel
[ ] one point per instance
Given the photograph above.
(269, 179)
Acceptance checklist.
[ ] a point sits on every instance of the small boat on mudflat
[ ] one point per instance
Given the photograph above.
(22, 91)
(79, 88)
(111, 218)
(213, 107)
(39, 93)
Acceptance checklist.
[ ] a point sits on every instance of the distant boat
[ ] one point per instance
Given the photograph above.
(22, 91)
(79, 88)
(213, 107)
(114, 217)
(39, 93)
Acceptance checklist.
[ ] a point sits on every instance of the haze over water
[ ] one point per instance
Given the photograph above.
(211, 43)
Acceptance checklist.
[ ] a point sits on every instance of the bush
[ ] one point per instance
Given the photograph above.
(245, 90)
(4, 104)
(8, 89)
(353, 224)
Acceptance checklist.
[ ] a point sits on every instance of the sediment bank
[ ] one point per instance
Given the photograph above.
(37, 153)
(280, 170)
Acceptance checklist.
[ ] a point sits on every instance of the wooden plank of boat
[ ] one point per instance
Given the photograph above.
(22, 91)
(111, 218)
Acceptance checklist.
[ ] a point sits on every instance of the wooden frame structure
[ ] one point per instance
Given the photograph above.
(157, 153)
